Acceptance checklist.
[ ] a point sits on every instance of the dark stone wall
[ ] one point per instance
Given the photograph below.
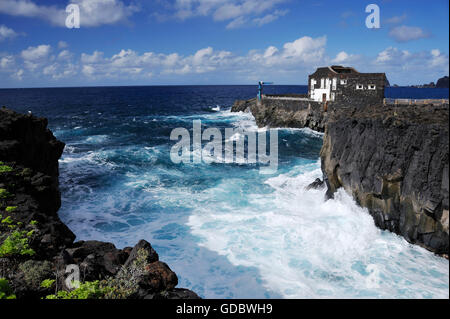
(348, 96)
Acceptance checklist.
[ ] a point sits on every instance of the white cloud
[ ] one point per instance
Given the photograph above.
(38, 61)
(439, 60)
(306, 49)
(406, 33)
(7, 62)
(396, 19)
(391, 56)
(62, 45)
(36, 53)
(236, 23)
(18, 75)
(303, 52)
(412, 68)
(27, 8)
(269, 17)
(95, 57)
(99, 12)
(92, 12)
(6, 33)
(64, 55)
(343, 57)
(290, 62)
(88, 70)
(236, 13)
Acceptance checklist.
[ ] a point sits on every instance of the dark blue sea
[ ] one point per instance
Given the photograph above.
(225, 229)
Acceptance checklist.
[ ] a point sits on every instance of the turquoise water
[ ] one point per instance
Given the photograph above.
(225, 229)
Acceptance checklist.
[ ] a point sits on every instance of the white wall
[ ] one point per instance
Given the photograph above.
(317, 92)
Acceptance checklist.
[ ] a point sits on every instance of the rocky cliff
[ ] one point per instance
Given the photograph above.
(394, 161)
(36, 247)
(284, 113)
(443, 82)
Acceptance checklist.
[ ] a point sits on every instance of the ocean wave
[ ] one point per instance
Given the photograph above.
(230, 232)
(305, 247)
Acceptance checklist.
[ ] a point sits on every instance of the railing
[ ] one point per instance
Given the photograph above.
(291, 97)
(415, 101)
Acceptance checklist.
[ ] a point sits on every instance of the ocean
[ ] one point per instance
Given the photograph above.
(225, 229)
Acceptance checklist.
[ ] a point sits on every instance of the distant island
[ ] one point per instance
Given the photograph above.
(442, 83)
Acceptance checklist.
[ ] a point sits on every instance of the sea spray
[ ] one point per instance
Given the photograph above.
(251, 147)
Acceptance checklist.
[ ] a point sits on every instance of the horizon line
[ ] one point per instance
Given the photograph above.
(166, 85)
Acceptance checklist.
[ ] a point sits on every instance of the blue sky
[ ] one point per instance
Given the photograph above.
(156, 42)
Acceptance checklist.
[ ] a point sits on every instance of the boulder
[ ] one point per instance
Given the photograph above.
(317, 184)
(152, 256)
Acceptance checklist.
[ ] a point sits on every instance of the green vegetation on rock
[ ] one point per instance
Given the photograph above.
(5, 290)
(47, 283)
(10, 209)
(17, 244)
(7, 220)
(122, 286)
(86, 290)
(5, 168)
(35, 272)
(4, 194)
(125, 283)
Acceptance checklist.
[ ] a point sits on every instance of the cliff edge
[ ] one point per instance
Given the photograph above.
(284, 113)
(391, 159)
(37, 248)
(394, 161)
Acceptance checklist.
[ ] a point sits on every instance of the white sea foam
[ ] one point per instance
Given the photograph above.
(96, 139)
(242, 235)
(304, 247)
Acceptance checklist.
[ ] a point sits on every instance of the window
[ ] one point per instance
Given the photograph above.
(359, 86)
(334, 84)
(372, 87)
(343, 81)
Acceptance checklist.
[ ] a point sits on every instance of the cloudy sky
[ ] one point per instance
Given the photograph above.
(158, 42)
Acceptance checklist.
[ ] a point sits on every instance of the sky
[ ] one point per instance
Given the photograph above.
(197, 42)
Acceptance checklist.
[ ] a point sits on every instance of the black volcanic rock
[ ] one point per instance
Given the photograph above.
(443, 82)
(242, 105)
(142, 244)
(394, 161)
(317, 184)
(29, 201)
(26, 140)
(282, 113)
(97, 259)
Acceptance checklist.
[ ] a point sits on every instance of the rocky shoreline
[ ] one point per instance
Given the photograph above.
(37, 248)
(272, 115)
(393, 160)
